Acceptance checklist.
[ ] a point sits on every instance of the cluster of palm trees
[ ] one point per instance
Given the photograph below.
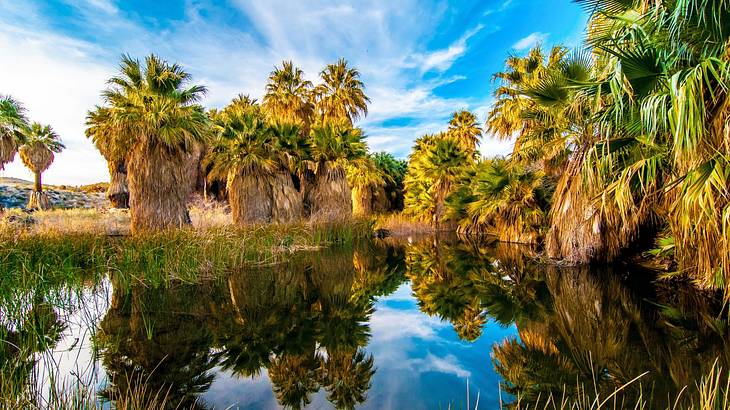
(285, 158)
(623, 142)
(35, 142)
(437, 165)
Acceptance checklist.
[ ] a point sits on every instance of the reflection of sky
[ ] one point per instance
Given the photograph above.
(420, 364)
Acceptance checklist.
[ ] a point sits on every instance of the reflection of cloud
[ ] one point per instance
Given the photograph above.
(390, 324)
(448, 364)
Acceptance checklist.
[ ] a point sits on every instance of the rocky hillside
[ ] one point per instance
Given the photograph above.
(14, 194)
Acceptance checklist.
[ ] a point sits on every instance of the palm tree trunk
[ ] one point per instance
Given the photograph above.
(287, 200)
(362, 201)
(118, 192)
(330, 198)
(38, 199)
(38, 185)
(160, 185)
(251, 199)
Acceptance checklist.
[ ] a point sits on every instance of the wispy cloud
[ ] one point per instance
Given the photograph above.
(442, 60)
(530, 41)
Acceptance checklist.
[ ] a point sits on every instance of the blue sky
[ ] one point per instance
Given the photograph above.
(420, 60)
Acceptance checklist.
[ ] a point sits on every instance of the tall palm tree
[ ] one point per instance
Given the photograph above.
(288, 96)
(37, 153)
(243, 155)
(464, 128)
(114, 147)
(154, 107)
(341, 95)
(334, 146)
(13, 125)
(665, 144)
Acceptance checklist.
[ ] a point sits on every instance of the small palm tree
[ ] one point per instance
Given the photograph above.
(465, 130)
(341, 96)
(288, 96)
(334, 146)
(13, 126)
(153, 107)
(37, 153)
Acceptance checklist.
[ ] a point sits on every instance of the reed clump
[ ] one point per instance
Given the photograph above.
(161, 256)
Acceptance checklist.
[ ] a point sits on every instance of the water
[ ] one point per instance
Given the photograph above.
(384, 325)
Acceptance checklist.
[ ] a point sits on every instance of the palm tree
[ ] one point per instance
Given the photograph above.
(152, 106)
(666, 124)
(243, 155)
(443, 164)
(341, 96)
(366, 179)
(334, 146)
(503, 200)
(37, 153)
(114, 148)
(13, 125)
(288, 96)
(293, 154)
(395, 171)
(465, 130)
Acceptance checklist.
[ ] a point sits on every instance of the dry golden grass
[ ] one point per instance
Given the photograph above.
(399, 225)
(113, 222)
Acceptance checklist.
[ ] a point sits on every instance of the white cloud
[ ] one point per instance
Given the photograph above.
(57, 82)
(60, 77)
(442, 60)
(530, 41)
(504, 6)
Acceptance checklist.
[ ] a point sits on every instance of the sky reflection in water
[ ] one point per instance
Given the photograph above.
(383, 325)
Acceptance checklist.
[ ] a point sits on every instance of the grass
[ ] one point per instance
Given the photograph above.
(399, 225)
(712, 392)
(59, 245)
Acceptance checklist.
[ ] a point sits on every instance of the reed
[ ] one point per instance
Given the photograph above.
(159, 257)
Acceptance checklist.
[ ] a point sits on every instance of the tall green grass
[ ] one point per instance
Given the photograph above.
(156, 257)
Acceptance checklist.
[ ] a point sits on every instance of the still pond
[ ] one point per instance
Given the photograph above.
(389, 324)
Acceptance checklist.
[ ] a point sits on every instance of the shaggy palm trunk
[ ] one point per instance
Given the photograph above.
(38, 199)
(159, 188)
(580, 232)
(251, 198)
(381, 202)
(362, 201)
(330, 197)
(118, 192)
(575, 228)
(287, 200)
(8, 148)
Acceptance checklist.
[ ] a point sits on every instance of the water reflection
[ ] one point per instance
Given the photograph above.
(305, 326)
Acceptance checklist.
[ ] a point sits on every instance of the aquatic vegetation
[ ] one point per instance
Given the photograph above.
(161, 257)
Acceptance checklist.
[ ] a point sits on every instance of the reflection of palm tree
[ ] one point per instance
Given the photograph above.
(152, 344)
(294, 378)
(346, 375)
(38, 333)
